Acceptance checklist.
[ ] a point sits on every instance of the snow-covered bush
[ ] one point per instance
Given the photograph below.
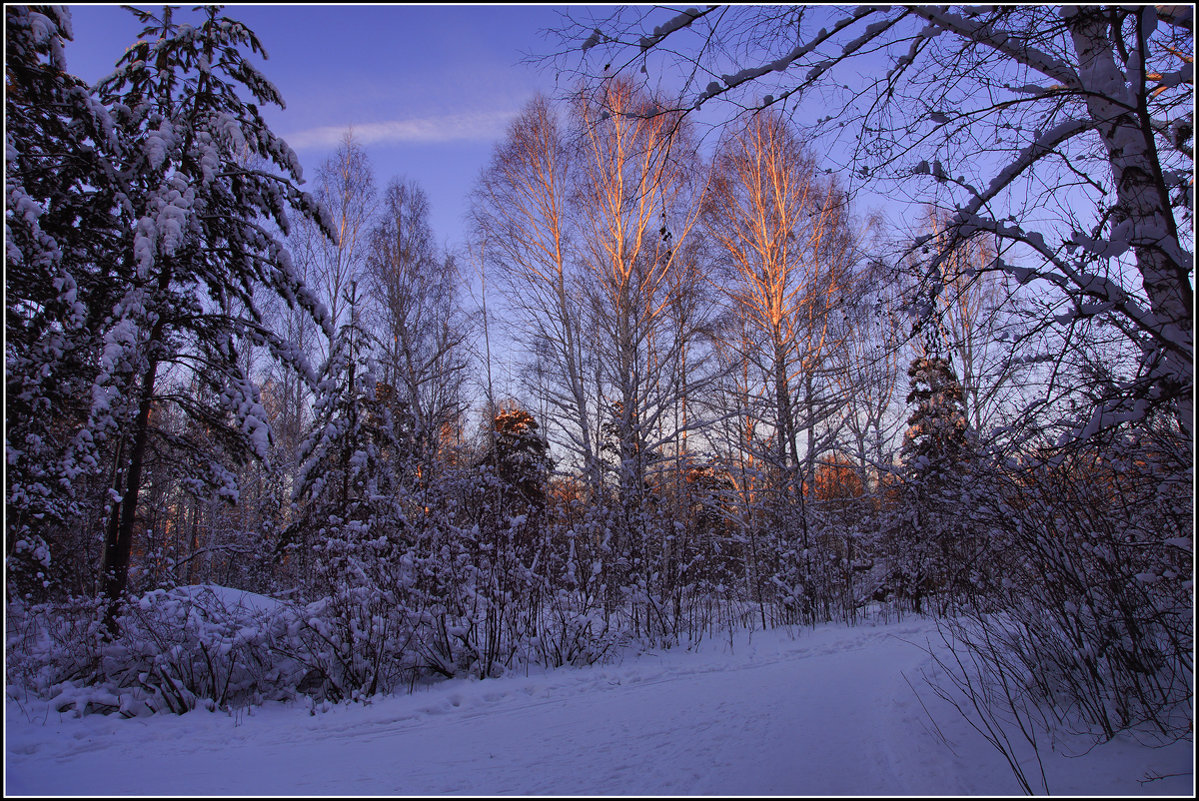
(466, 602)
(348, 646)
(572, 631)
(176, 649)
(48, 645)
(1095, 603)
(200, 646)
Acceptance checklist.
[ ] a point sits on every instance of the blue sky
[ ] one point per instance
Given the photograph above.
(427, 89)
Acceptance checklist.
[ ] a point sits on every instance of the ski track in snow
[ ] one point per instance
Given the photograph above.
(810, 712)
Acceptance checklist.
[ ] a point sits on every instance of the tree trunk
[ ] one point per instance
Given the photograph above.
(1142, 201)
(118, 544)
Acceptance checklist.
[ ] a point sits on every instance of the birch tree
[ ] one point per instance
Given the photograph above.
(783, 232)
(520, 212)
(1084, 114)
(636, 203)
(345, 185)
(418, 323)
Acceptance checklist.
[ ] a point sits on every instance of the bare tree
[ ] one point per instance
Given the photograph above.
(520, 213)
(783, 233)
(418, 321)
(1084, 114)
(633, 190)
(586, 226)
(345, 184)
(870, 375)
(345, 187)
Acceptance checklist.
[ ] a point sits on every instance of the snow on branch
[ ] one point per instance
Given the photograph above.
(927, 33)
(803, 49)
(1013, 46)
(675, 23)
(1092, 294)
(1042, 146)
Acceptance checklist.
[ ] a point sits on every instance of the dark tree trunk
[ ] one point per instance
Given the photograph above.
(118, 544)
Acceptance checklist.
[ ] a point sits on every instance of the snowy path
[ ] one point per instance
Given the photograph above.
(828, 712)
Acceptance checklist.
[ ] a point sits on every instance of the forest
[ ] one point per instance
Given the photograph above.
(675, 385)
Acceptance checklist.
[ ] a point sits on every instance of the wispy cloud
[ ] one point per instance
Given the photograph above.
(478, 126)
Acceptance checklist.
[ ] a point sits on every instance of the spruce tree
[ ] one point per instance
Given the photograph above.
(936, 439)
(936, 453)
(61, 236)
(346, 493)
(520, 457)
(349, 535)
(154, 204)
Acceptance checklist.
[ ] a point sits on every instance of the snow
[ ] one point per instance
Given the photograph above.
(779, 65)
(1013, 47)
(232, 598)
(827, 711)
(662, 31)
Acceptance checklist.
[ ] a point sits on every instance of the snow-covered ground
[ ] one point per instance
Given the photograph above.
(821, 712)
